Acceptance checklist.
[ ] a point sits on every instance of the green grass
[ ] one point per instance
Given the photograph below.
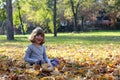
(85, 38)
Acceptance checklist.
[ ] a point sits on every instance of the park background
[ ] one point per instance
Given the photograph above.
(83, 34)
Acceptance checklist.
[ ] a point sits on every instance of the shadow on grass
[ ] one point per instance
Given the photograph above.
(16, 39)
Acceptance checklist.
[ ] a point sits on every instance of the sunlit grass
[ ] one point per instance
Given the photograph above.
(86, 38)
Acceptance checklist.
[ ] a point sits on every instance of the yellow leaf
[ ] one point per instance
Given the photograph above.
(48, 78)
(32, 71)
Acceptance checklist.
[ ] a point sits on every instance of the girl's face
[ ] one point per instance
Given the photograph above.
(38, 39)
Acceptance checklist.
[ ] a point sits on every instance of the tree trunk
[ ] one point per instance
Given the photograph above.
(21, 22)
(75, 11)
(75, 22)
(82, 25)
(10, 30)
(54, 19)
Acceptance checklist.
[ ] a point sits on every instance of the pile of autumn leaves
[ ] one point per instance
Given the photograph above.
(104, 69)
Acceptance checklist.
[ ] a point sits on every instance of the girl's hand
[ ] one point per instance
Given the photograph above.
(38, 62)
(50, 64)
(47, 67)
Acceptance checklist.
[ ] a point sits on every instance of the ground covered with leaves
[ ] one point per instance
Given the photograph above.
(83, 56)
(77, 62)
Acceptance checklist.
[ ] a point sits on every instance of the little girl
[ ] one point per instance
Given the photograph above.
(36, 51)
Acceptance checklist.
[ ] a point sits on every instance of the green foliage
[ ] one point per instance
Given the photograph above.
(51, 26)
(40, 12)
(16, 20)
(68, 14)
(40, 15)
(25, 27)
(2, 10)
(87, 3)
(2, 14)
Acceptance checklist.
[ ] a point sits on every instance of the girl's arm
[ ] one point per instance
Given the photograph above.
(27, 58)
(45, 57)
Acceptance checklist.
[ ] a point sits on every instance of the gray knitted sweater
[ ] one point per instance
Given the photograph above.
(34, 53)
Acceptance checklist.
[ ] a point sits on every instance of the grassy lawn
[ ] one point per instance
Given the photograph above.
(85, 39)
(88, 38)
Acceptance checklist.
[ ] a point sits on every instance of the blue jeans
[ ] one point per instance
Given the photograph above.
(54, 61)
